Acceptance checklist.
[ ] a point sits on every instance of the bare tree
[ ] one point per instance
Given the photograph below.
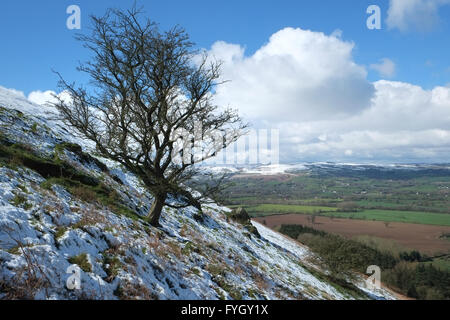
(150, 105)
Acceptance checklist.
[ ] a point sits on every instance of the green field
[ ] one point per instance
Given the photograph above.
(440, 219)
(440, 263)
(270, 209)
(419, 196)
(397, 190)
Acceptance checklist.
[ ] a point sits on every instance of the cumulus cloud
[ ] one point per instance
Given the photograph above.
(385, 68)
(298, 75)
(416, 15)
(46, 97)
(307, 85)
(42, 98)
(404, 123)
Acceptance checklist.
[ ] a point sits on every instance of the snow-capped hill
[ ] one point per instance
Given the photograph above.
(66, 215)
(324, 167)
(16, 100)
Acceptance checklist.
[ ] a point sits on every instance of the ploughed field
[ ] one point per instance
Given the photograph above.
(424, 238)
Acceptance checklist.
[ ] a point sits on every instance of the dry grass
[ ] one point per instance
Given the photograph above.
(84, 194)
(132, 291)
(175, 249)
(260, 282)
(184, 231)
(90, 217)
(28, 279)
(154, 243)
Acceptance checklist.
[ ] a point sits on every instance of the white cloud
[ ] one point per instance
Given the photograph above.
(41, 98)
(307, 85)
(404, 123)
(417, 15)
(46, 97)
(337, 33)
(298, 75)
(385, 68)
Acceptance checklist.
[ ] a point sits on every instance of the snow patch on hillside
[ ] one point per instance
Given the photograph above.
(46, 230)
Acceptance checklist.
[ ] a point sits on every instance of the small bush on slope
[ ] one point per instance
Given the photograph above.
(82, 261)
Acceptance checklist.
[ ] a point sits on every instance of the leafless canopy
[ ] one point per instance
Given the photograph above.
(149, 104)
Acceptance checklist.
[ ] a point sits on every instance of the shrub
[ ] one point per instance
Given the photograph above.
(134, 291)
(252, 229)
(82, 261)
(339, 254)
(60, 231)
(239, 215)
(111, 265)
(34, 127)
(21, 201)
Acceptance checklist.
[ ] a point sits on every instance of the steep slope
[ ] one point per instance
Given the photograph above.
(60, 206)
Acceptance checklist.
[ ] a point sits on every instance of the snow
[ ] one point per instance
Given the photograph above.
(185, 259)
(282, 241)
(277, 169)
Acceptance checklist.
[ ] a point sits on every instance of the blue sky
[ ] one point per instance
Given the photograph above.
(35, 38)
(336, 90)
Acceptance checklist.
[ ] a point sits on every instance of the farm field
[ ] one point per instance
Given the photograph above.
(270, 209)
(425, 238)
(420, 190)
(430, 218)
(401, 207)
(439, 219)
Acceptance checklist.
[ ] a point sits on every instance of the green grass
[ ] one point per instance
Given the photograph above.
(112, 265)
(270, 209)
(439, 219)
(57, 171)
(59, 232)
(21, 201)
(82, 261)
(403, 190)
(430, 218)
(440, 263)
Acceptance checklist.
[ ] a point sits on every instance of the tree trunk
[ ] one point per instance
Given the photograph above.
(155, 210)
(196, 204)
